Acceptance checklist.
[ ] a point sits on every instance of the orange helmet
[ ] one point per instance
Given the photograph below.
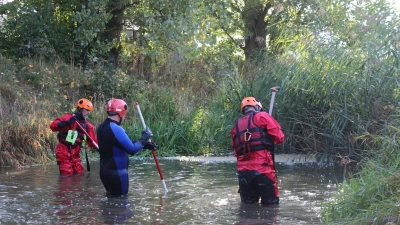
(248, 101)
(83, 103)
(117, 106)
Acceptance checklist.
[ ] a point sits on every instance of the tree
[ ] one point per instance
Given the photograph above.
(251, 27)
(264, 26)
(52, 28)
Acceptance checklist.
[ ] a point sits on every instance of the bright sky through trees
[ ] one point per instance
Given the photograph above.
(396, 4)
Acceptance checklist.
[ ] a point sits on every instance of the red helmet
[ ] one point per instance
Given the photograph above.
(83, 103)
(117, 106)
(248, 101)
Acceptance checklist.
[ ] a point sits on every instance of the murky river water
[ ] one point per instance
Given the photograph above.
(203, 192)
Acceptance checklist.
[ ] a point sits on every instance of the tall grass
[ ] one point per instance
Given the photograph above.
(179, 124)
(33, 94)
(329, 95)
(372, 197)
(326, 99)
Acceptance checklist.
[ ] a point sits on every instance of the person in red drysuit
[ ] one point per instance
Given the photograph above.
(254, 136)
(71, 138)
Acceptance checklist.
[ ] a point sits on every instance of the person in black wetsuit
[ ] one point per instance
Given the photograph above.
(114, 147)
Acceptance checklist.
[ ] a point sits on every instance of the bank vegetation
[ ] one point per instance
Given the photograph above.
(335, 66)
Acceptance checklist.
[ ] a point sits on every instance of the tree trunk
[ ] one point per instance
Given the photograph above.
(114, 29)
(256, 25)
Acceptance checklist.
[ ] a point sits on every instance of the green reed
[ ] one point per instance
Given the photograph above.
(370, 197)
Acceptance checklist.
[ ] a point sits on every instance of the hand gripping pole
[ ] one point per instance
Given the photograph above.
(87, 135)
(94, 143)
(153, 151)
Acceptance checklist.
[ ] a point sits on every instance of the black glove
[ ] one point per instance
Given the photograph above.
(67, 122)
(71, 120)
(150, 146)
(78, 116)
(146, 135)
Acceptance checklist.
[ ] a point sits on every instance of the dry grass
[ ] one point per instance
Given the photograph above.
(25, 141)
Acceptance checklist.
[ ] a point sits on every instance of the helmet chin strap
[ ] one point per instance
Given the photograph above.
(120, 119)
(247, 109)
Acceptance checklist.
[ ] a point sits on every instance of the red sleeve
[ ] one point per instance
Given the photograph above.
(263, 119)
(54, 124)
(92, 134)
(233, 132)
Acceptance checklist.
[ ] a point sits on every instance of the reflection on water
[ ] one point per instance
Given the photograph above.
(199, 193)
(257, 214)
(115, 210)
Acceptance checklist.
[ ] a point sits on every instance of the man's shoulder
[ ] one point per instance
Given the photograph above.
(261, 114)
(66, 116)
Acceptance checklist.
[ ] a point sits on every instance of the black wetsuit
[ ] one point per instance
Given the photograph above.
(114, 147)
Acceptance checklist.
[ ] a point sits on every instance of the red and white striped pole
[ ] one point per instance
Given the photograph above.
(153, 151)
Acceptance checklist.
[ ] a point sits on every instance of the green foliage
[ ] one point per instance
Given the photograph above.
(25, 30)
(103, 79)
(336, 71)
(328, 93)
(90, 20)
(373, 194)
(175, 132)
(48, 29)
(178, 29)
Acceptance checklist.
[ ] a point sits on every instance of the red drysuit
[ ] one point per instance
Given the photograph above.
(68, 154)
(253, 138)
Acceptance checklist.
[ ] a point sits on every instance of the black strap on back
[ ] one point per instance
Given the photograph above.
(264, 138)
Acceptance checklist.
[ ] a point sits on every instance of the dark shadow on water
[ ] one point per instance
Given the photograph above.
(115, 210)
(257, 214)
(72, 196)
(68, 191)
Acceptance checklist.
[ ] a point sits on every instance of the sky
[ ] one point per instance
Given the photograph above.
(396, 4)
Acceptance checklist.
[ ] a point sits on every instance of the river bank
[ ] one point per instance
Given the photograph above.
(282, 158)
